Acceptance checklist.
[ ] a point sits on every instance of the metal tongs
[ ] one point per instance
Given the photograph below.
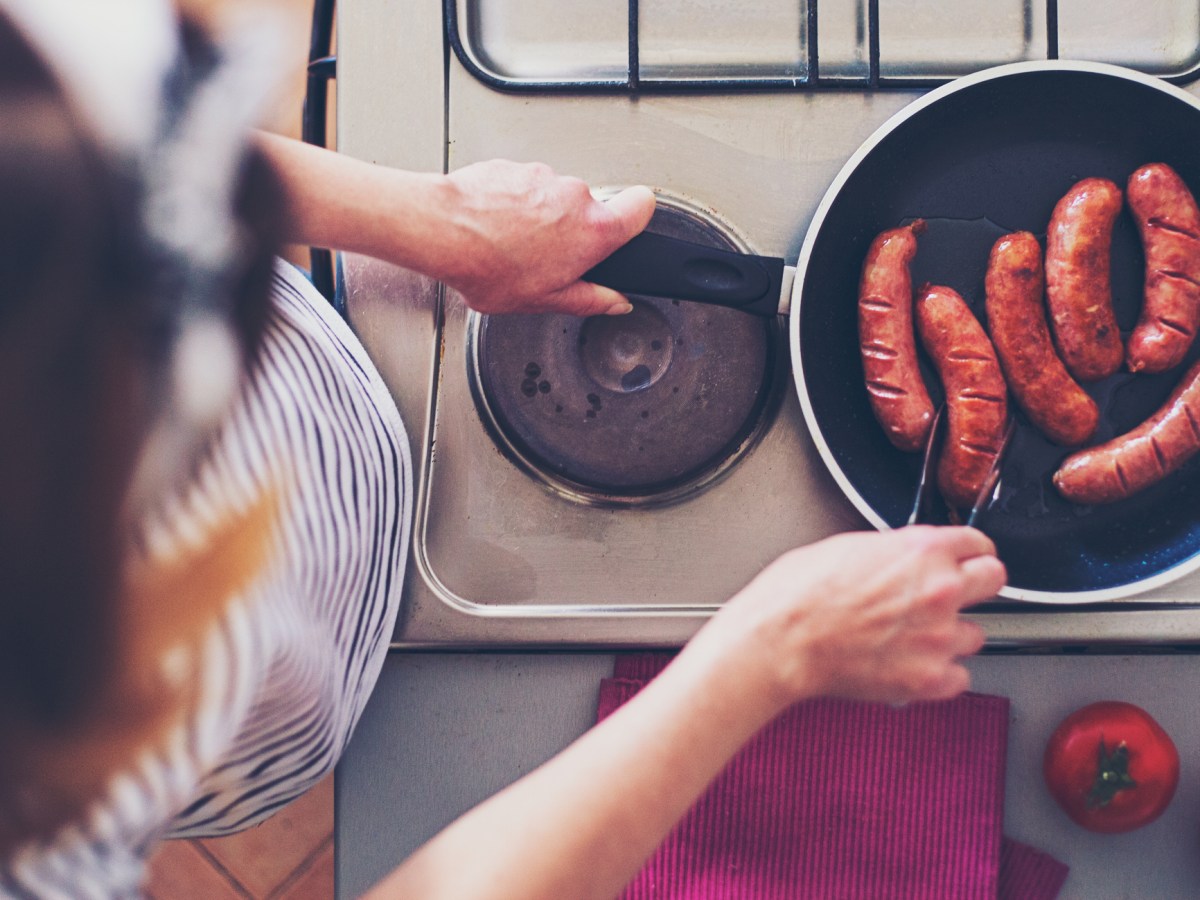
(927, 483)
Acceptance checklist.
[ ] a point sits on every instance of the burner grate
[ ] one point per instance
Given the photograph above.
(1042, 30)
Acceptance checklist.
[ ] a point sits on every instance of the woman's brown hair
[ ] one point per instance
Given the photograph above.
(80, 346)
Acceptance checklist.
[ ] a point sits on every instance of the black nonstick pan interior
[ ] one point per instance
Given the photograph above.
(977, 160)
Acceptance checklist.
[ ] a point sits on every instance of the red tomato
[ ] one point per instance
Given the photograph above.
(1111, 767)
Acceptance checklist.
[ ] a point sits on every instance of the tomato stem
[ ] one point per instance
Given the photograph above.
(1112, 775)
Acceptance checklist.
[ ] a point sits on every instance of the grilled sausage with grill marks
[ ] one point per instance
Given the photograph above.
(1141, 457)
(1079, 280)
(1169, 222)
(895, 388)
(976, 396)
(1016, 316)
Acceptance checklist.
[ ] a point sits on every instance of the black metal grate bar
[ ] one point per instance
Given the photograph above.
(635, 56)
(814, 62)
(873, 43)
(322, 67)
(1051, 29)
(635, 83)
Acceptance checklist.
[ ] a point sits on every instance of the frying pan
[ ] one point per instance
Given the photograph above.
(985, 155)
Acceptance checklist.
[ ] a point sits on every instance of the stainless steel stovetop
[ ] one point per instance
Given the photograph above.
(714, 113)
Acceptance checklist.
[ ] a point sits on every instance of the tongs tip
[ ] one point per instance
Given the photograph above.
(925, 479)
(989, 489)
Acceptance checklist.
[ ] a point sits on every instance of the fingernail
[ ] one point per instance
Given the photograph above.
(619, 309)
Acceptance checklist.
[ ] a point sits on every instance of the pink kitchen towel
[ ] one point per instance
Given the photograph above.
(1029, 874)
(837, 799)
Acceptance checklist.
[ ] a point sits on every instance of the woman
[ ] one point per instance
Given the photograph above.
(205, 506)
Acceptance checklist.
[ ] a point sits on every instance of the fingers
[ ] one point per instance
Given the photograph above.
(966, 558)
(971, 542)
(926, 682)
(586, 299)
(626, 214)
(968, 639)
(937, 673)
(955, 679)
(983, 576)
(958, 540)
(939, 628)
(621, 217)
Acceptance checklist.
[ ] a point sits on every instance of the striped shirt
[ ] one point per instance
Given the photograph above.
(287, 669)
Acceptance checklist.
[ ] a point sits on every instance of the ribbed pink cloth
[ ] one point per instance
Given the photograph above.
(1029, 874)
(836, 799)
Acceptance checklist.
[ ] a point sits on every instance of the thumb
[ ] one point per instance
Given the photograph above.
(627, 214)
(586, 299)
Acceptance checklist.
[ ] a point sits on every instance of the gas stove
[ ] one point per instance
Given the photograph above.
(569, 490)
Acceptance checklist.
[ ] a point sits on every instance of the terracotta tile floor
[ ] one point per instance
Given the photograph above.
(287, 857)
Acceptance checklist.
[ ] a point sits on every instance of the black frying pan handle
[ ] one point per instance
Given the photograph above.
(659, 266)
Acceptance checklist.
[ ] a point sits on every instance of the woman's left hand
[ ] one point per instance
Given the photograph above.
(861, 615)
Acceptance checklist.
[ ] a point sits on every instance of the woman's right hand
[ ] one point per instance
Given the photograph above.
(510, 237)
(517, 237)
(868, 616)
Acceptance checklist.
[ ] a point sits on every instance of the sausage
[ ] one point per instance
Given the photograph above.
(1079, 281)
(976, 396)
(1141, 457)
(895, 388)
(1016, 317)
(1169, 223)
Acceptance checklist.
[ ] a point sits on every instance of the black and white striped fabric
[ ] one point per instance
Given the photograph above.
(288, 669)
